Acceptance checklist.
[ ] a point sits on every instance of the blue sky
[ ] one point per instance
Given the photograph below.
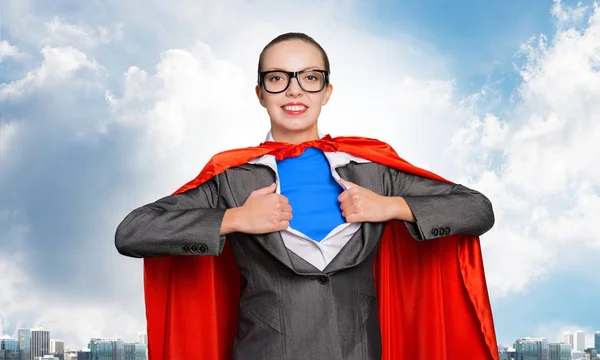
(106, 106)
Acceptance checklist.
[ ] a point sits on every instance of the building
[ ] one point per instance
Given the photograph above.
(579, 340)
(107, 349)
(135, 351)
(9, 348)
(40, 342)
(57, 346)
(45, 357)
(70, 355)
(591, 353)
(560, 351)
(532, 349)
(8, 355)
(568, 339)
(142, 338)
(84, 355)
(597, 341)
(24, 338)
(503, 353)
(9, 344)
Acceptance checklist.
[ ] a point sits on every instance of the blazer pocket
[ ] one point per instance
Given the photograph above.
(367, 299)
(268, 313)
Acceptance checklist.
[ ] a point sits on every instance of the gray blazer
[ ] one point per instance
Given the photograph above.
(288, 308)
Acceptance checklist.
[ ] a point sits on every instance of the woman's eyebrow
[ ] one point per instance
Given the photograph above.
(306, 68)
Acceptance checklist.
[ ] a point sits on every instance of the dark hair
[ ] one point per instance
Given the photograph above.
(294, 36)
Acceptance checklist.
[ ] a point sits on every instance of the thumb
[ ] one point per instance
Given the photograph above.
(347, 183)
(266, 190)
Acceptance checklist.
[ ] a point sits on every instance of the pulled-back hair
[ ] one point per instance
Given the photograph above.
(294, 36)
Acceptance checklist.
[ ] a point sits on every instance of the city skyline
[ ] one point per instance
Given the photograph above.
(36, 343)
(141, 337)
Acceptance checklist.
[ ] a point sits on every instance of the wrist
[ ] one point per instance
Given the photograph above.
(399, 209)
(231, 221)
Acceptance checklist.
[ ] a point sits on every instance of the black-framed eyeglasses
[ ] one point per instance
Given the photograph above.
(277, 81)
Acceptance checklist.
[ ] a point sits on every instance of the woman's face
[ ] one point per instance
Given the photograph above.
(287, 125)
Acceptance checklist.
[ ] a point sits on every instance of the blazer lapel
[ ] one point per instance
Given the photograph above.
(366, 239)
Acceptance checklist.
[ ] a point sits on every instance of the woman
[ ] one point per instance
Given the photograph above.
(303, 227)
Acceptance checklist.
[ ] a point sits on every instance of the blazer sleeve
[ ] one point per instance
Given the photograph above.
(442, 209)
(187, 223)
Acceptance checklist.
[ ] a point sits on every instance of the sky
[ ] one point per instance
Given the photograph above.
(109, 105)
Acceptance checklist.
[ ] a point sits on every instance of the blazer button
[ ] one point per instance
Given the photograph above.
(434, 231)
(194, 248)
(323, 279)
(185, 248)
(447, 231)
(202, 248)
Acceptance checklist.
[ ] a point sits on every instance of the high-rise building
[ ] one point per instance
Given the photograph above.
(107, 349)
(568, 338)
(40, 342)
(142, 338)
(57, 346)
(24, 338)
(135, 351)
(532, 349)
(579, 340)
(597, 341)
(560, 351)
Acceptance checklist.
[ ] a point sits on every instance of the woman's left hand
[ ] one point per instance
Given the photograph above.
(359, 204)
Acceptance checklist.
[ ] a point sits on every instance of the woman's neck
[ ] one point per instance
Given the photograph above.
(294, 137)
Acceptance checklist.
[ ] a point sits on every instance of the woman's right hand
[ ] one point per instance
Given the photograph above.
(263, 212)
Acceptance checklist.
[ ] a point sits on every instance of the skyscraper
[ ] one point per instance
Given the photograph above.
(107, 349)
(560, 351)
(24, 338)
(57, 346)
(579, 340)
(568, 338)
(142, 338)
(40, 342)
(597, 341)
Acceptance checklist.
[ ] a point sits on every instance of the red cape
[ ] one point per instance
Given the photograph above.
(433, 298)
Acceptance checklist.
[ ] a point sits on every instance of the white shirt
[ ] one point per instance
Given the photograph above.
(318, 254)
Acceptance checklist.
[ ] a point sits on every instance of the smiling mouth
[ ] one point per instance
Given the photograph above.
(294, 109)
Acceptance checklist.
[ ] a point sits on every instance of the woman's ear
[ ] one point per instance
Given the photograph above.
(260, 95)
(328, 91)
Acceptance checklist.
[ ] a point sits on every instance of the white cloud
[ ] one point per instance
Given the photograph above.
(568, 15)
(62, 33)
(59, 64)
(543, 160)
(8, 51)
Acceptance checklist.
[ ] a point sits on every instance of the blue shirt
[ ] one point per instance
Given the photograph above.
(312, 192)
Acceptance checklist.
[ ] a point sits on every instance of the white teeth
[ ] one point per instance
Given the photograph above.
(294, 108)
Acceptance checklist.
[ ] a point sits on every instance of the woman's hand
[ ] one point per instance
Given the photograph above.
(359, 204)
(263, 212)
